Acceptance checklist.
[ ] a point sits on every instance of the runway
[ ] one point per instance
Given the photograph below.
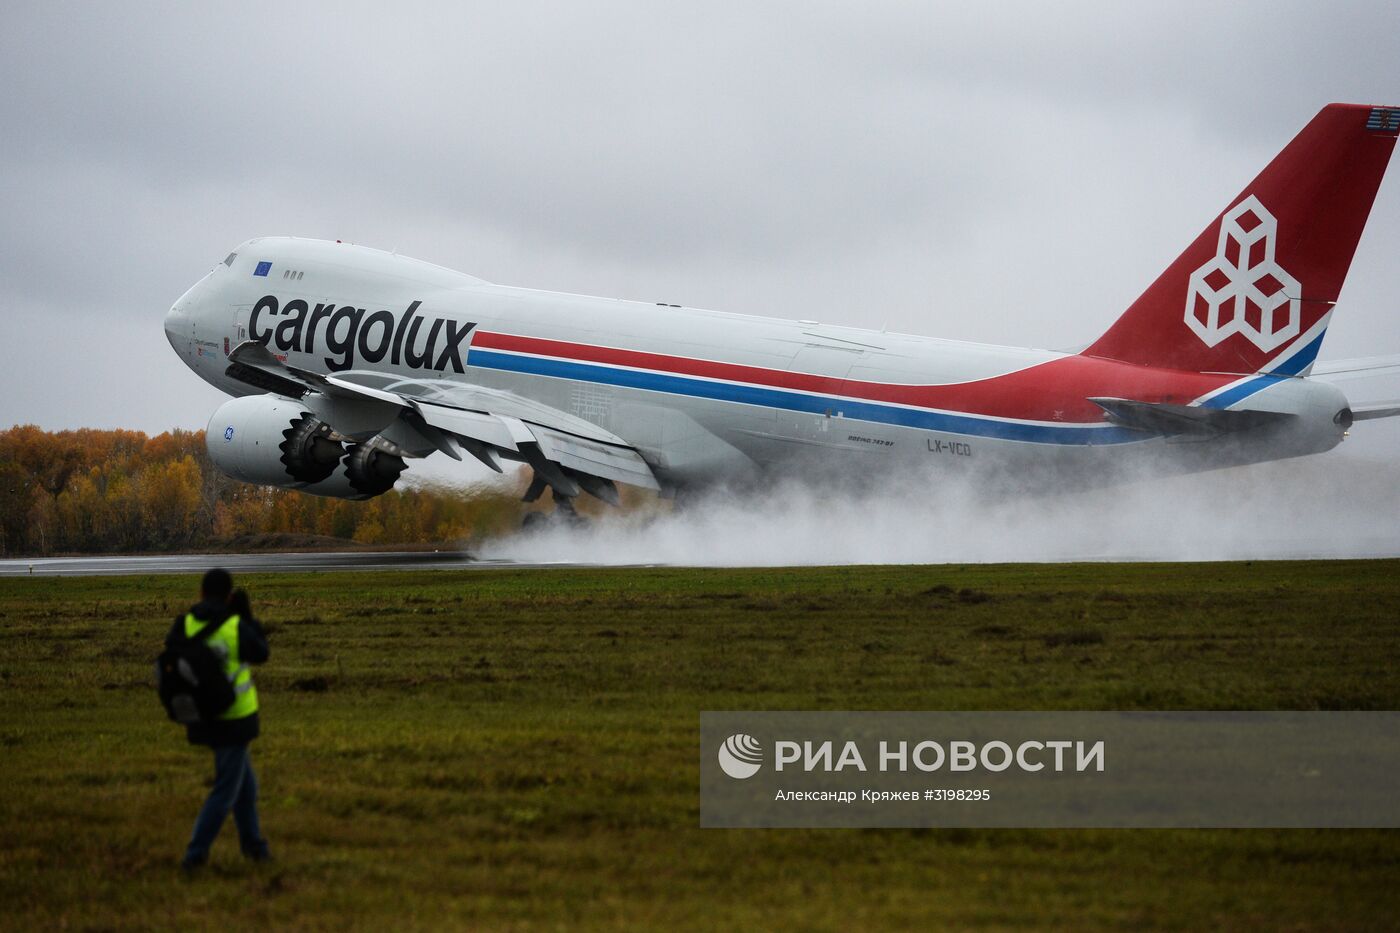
(254, 563)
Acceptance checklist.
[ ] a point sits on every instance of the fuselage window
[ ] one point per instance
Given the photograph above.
(229, 261)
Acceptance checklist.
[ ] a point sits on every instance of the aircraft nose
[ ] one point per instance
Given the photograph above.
(177, 326)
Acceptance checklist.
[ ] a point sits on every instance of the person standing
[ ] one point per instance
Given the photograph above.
(239, 641)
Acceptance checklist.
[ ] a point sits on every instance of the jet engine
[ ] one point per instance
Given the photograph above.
(372, 471)
(274, 441)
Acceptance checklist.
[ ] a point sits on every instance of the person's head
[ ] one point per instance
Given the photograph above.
(217, 585)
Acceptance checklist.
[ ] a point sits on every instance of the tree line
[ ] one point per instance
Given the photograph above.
(119, 491)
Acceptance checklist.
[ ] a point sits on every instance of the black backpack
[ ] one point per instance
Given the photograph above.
(191, 680)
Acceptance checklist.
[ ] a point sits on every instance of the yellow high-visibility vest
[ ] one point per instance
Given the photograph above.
(224, 643)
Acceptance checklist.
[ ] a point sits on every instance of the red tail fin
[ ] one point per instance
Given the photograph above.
(1254, 292)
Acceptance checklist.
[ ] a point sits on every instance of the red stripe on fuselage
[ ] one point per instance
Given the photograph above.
(1057, 390)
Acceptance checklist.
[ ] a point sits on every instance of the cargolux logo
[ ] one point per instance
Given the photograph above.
(1243, 290)
(376, 337)
(740, 756)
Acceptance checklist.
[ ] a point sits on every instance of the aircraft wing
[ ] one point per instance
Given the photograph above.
(1166, 419)
(566, 452)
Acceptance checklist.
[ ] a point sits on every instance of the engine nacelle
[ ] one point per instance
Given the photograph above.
(275, 441)
(372, 471)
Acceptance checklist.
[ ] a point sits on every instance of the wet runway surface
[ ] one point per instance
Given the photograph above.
(252, 563)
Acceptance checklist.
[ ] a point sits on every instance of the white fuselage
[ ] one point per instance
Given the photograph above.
(705, 394)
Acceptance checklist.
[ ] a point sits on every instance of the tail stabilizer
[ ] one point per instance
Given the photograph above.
(1254, 292)
(1360, 368)
(1187, 420)
(1372, 412)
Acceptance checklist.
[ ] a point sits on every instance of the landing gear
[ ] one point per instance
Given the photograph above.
(564, 509)
(563, 516)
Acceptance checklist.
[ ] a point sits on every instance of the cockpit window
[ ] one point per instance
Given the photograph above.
(229, 261)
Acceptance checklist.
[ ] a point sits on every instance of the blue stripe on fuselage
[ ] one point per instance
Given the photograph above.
(925, 419)
(1286, 370)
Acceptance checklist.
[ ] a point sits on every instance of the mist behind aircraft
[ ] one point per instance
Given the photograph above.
(1335, 506)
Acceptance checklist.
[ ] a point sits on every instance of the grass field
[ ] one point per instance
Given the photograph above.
(511, 749)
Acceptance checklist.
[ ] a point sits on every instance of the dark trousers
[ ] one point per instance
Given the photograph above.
(235, 788)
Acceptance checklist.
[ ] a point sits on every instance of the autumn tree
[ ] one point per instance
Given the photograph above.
(122, 491)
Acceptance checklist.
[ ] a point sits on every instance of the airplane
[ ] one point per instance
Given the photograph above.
(344, 362)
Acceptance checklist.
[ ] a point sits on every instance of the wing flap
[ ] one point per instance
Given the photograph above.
(608, 461)
(478, 426)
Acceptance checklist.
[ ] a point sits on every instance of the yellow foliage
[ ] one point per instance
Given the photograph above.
(94, 491)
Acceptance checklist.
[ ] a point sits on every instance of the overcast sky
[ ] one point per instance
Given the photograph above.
(1011, 177)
